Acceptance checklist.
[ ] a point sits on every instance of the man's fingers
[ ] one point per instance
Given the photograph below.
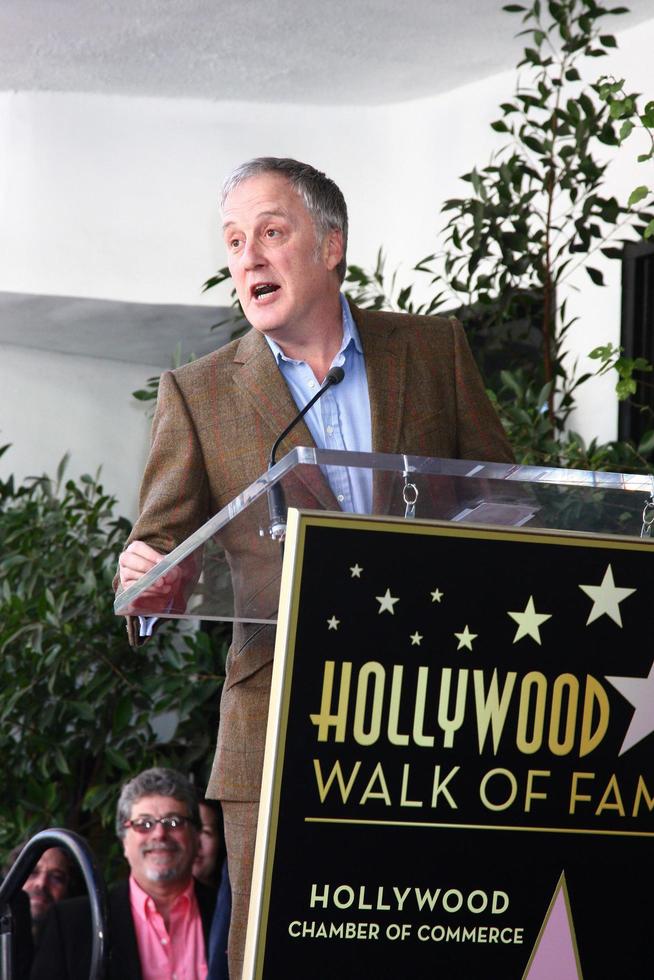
(137, 559)
(144, 551)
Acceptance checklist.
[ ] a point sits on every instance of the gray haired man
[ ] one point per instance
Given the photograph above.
(410, 386)
(159, 918)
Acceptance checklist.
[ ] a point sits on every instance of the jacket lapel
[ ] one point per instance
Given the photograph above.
(206, 899)
(262, 384)
(385, 351)
(124, 963)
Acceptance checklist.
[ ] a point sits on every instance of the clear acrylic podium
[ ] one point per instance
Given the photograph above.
(230, 568)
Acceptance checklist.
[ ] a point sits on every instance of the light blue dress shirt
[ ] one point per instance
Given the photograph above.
(340, 419)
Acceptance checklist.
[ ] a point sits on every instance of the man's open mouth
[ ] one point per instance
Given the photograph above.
(263, 288)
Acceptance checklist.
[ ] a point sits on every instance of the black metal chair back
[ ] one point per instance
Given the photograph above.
(23, 866)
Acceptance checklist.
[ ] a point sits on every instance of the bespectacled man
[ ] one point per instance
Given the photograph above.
(159, 918)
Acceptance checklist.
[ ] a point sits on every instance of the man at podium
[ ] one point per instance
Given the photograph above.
(409, 385)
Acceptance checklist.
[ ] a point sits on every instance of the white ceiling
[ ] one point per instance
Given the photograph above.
(361, 52)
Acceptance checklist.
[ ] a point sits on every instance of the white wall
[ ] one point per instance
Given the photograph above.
(53, 403)
(115, 198)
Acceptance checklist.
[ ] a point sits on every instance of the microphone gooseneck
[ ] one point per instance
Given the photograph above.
(276, 502)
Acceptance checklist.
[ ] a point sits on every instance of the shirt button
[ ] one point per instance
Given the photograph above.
(340, 498)
(312, 384)
(330, 429)
(164, 941)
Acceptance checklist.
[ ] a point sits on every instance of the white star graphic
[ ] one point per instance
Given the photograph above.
(529, 622)
(436, 595)
(606, 598)
(416, 639)
(465, 639)
(639, 691)
(386, 602)
(333, 623)
(355, 571)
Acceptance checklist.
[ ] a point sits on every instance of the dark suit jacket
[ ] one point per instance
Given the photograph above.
(215, 422)
(64, 952)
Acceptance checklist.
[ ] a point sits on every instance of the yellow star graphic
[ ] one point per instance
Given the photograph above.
(465, 639)
(436, 595)
(529, 622)
(333, 623)
(606, 598)
(386, 602)
(356, 570)
(416, 639)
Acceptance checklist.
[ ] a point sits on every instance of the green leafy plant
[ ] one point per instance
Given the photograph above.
(625, 109)
(79, 710)
(533, 217)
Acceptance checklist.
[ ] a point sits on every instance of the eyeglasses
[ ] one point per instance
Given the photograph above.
(143, 825)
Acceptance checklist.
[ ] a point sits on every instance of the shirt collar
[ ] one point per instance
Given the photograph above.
(140, 900)
(350, 336)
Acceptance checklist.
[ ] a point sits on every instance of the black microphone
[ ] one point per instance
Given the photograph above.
(276, 501)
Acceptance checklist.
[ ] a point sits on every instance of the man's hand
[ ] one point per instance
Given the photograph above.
(165, 594)
(137, 559)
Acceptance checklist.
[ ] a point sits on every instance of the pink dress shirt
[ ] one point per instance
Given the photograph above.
(176, 953)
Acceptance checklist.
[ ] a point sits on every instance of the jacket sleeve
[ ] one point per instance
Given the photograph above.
(174, 497)
(173, 500)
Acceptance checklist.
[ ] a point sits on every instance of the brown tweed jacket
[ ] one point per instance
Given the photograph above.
(215, 422)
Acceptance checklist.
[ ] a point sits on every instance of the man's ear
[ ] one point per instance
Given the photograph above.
(333, 248)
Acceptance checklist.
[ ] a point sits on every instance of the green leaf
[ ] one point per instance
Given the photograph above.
(82, 710)
(646, 444)
(123, 712)
(618, 108)
(117, 759)
(142, 395)
(626, 129)
(625, 388)
(637, 195)
(612, 253)
(595, 275)
(649, 230)
(60, 761)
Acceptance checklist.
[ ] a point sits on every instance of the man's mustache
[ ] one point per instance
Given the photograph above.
(171, 846)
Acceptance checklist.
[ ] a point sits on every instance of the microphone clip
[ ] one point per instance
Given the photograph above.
(277, 512)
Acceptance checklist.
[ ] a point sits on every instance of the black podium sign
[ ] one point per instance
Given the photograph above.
(459, 778)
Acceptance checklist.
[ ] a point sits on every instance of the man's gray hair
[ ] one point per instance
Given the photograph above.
(156, 782)
(323, 198)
